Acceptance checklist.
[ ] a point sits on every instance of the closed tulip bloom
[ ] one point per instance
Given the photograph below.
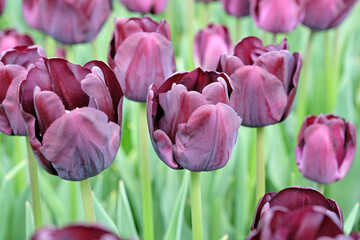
(237, 8)
(210, 44)
(264, 79)
(145, 6)
(13, 69)
(67, 21)
(333, 12)
(74, 232)
(277, 16)
(190, 122)
(280, 215)
(10, 38)
(73, 116)
(141, 54)
(326, 148)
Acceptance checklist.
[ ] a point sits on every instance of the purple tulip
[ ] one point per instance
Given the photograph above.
(264, 79)
(141, 54)
(277, 16)
(67, 21)
(10, 38)
(73, 116)
(210, 44)
(326, 148)
(279, 216)
(333, 12)
(2, 6)
(145, 6)
(13, 69)
(74, 232)
(190, 123)
(237, 8)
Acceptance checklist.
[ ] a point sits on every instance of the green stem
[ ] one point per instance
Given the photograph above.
(145, 176)
(196, 216)
(273, 41)
(238, 29)
(94, 49)
(72, 195)
(87, 200)
(190, 33)
(302, 95)
(34, 184)
(260, 164)
(206, 13)
(17, 155)
(320, 187)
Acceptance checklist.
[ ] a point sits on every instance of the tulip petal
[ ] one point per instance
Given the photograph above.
(229, 64)
(164, 148)
(216, 92)
(350, 149)
(206, 140)
(81, 144)
(258, 97)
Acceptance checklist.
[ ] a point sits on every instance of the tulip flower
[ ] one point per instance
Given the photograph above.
(190, 123)
(13, 69)
(333, 12)
(210, 44)
(10, 38)
(264, 79)
(326, 148)
(2, 6)
(279, 216)
(141, 54)
(145, 6)
(237, 8)
(74, 232)
(67, 22)
(73, 116)
(277, 16)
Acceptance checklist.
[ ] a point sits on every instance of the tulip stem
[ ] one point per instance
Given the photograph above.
(87, 200)
(274, 38)
(145, 176)
(196, 216)
(34, 184)
(260, 164)
(238, 29)
(320, 187)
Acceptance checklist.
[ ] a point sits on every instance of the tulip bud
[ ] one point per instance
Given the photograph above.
(145, 6)
(264, 79)
(10, 38)
(209, 44)
(141, 54)
(190, 123)
(326, 148)
(237, 8)
(67, 22)
(333, 12)
(296, 213)
(74, 232)
(73, 116)
(277, 16)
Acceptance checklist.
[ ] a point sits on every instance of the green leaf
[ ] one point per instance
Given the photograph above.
(6, 198)
(29, 218)
(103, 217)
(350, 221)
(174, 230)
(125, 219)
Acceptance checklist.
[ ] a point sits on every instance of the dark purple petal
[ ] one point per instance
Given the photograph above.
(22, 55)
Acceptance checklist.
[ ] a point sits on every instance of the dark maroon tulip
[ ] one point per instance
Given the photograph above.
(13, 69)
(73, 116)
(333, 12)
(237, 8)
(141, 54)
(209, 44)
(277, 16)
(145, 6)
(296, 213)
(69, 21)
(74, 232)
(10, 38)
(264, 79)
(326, 148)
(190, 123)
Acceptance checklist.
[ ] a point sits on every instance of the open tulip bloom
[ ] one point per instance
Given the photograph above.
(326, 148)
(73, 116)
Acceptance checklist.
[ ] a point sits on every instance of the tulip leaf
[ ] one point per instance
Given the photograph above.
(176, 221)
(350, 220)
(125, 219)
(5, 200)
(103, 217)
(29, 220)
